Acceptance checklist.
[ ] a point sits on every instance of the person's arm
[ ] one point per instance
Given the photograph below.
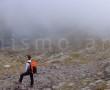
(26, 67)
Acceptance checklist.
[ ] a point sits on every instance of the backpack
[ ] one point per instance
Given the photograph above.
(33, 66)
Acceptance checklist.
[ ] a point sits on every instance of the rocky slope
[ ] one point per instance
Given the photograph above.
(81, 70)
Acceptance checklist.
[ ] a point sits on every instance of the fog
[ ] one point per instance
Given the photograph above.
(25, 17)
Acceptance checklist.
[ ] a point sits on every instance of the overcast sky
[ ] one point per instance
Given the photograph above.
(24, 14)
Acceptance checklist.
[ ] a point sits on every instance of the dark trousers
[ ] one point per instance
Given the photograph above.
(25, 74)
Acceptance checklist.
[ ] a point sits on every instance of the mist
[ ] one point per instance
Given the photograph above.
(49, 17)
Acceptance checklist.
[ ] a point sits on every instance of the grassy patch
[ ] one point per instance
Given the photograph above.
(15, 67)
(75, 55)
(80, 60)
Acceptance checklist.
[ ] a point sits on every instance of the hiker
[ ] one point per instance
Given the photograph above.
(29, 70)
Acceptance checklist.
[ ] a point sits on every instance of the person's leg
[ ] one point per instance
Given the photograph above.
(32, 79)
(22, 75)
